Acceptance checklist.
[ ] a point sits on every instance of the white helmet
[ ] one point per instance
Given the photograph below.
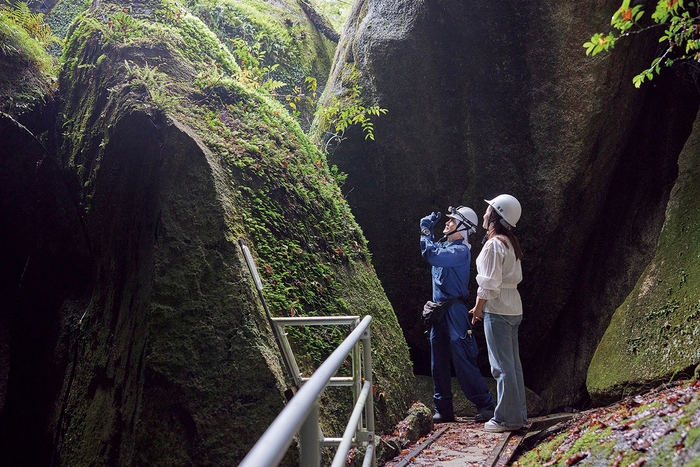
(507, 207)
(464, 215)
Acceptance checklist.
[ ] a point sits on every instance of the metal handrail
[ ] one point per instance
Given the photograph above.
(279, 323)
(301, 413)
(351, 428)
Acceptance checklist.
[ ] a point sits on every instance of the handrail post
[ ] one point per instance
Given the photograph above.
(310, 439)
(356, 372)
(301, 414)
(369, 404)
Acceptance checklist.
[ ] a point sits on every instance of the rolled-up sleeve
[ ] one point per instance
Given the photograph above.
(489, 266)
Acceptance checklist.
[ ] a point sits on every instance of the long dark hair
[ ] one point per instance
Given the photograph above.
(502, 232)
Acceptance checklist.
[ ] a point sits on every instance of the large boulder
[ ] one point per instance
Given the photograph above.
(653, 336)
(144, 342)
(487, 98)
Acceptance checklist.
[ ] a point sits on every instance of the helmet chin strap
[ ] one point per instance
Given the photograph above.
(458, 229)
(485, 239)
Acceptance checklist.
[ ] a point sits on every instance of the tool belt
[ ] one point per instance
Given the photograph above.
(433, 312)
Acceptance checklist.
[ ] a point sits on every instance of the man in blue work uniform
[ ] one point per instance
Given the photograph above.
(451, 339)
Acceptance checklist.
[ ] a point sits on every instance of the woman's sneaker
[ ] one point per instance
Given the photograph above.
(494, 427)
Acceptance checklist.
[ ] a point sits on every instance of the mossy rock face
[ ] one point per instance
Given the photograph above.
(168, 357)
(288, 40)
(490, 98)
(653, 336)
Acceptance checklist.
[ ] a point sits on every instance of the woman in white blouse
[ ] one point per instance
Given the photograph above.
(498, 304)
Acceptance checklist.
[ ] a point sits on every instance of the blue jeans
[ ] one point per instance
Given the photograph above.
(504, 357)
(450, 340)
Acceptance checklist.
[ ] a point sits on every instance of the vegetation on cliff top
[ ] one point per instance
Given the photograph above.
(29, 72)
(275, 41)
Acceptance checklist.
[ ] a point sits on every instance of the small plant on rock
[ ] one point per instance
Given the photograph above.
(340, 112)
(155, 83)
(254, 72)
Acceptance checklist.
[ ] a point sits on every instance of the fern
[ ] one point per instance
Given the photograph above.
(154, 82)
(33, 23)
(254, 72)
(340, 113)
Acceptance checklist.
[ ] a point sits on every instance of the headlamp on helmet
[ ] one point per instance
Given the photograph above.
(465, 217)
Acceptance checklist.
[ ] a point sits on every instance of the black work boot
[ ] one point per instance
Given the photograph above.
(483, 416)
(440, 418)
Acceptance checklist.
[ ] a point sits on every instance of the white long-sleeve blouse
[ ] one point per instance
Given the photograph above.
(498, 274)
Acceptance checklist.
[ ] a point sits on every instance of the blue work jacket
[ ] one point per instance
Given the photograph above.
(450, 262)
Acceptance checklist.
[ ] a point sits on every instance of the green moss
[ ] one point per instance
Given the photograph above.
(689, 413)
(594, 438)
(653, 335)
(289, 41)
(693, 436)
(660, 426)
(544, 452)
(630, 457)
(29, 72)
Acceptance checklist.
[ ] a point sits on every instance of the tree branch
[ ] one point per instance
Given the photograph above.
(318, 21)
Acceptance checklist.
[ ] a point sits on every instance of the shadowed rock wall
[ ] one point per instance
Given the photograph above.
(44, 263)
(488, 98)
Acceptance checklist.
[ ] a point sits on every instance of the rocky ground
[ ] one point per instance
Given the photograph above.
(658, 428)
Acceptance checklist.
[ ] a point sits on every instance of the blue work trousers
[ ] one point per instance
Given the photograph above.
(504, 356)
(450, 340)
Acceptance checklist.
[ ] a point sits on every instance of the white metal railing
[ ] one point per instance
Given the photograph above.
(301, 413)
